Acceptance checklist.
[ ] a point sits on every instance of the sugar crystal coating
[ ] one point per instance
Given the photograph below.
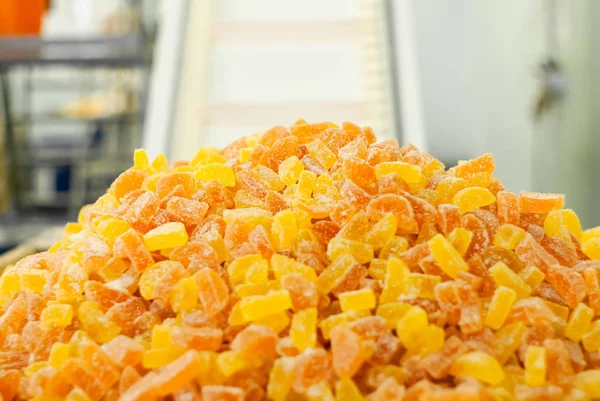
(308, 263)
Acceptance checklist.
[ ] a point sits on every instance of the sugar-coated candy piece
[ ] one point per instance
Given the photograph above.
(357, 300)
(508, 208)
(396, 205)
(346, 351)
(509, 236)
(535, 366)
(569, 284)
(500, 307)
(303, 330)
(169, 235)
(579, 322)
(472, 198)
(479, 365)
(57, 315)
(535, 202)
(212, 291)
(407, 172)
(447, 256)
(461, 239)
(504, 276)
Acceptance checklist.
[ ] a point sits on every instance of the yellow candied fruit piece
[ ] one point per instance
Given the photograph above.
(320, 392)
(185, 295)
(327, 324)
(59, 353)
(217, 172)
(230, 362)
(393, 284)
(579, 322)
(207, 155)
(509, 339)
(532, 276)
(560, 311)
(160, 163)
(421, 285)
(566, 218)
(284, 230)
(504, 276)
(393, 247)
(408, 172)
(432, 340)
(140, 160)
(33, 280)
(460, 238)
(282, 265)
(95, 323)
(472, 198)
(509, 236)
(362, 252)
(346, 390)
(238, 268)
(392, 313)
(500, 306)
(535, 365)
(217, 242)
(306, 183)
(158, 357)
(304, 329)
(410, 327)
(30, 370)
(57, 315)
(268, 178)
(276, 321)
(161, 337)
(77, 394)
(589, 382)
(258, 273)
(256, 307)
(591, 339)
(326, 280)
(478, 365)
(449, 259)
(591, 248)
(245, 154)
(357, 300)
(111, 228)
(382, 231)
(290, 170)
(321, 153)
(590, 233)
(73, 228)
(377, 269)
(252, 216)
(106, 203)
(325, 187)
(280, 379)
(169, 235)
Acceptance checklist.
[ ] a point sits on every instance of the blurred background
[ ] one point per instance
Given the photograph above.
(84, 82)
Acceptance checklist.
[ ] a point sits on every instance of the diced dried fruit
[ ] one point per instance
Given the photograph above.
(308, 263)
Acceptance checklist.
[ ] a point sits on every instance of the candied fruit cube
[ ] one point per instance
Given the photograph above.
(392, 313)
(447, 256)
(59, 353)
(346, 350)
(357, 300)
(185, 295)
(290, 170)
(579, 322)
(212, 291)
(216, 171)
(504, 276)
(535, 366)
(321, 153)
(256, 307)
(411, 325)
(532, 276)
(306, 183)
(282, 265)
(591, 339)
(169, 235)
(472, 198)
(346, 390)
(460, 239)
(566, 218)
(361, 251)
(304, 328)
(408, 172)
(478, 365)
(33, 280)
(509, 236)
(591, 248)
(284, 230)
(57, 315)
(500, 307)
(535, 202)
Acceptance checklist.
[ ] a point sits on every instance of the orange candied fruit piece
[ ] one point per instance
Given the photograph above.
(535, 202)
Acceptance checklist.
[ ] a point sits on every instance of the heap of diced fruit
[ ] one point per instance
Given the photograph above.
(308, 263)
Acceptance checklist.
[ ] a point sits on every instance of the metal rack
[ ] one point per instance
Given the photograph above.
(105, 146)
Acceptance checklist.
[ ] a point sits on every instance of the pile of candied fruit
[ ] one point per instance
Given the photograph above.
(302, 264)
